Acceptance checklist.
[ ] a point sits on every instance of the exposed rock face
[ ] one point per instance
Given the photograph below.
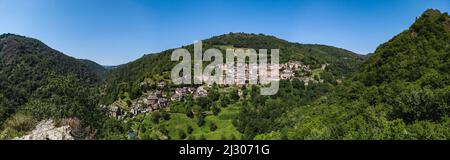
(46, 130)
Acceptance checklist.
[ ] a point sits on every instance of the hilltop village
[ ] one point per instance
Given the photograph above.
(160, 98)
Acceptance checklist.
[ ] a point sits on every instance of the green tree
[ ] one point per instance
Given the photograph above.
(190, 129)
(156, 116)
(215, 110)
(200, 121)
(212, 127)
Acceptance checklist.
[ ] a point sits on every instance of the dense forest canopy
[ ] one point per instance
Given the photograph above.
(401, 92)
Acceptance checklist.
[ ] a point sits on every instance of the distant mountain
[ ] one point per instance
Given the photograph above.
(31, 73)
(289, 50)
(107, 67)
(342, 62)
(95, 67)
(28, 52)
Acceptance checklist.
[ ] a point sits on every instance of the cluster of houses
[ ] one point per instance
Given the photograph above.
(181, 93)
(288, 69)
(287, 72)
(242, 74)
(295, 65)
(154, 100)
(307, 80)
(115, 111)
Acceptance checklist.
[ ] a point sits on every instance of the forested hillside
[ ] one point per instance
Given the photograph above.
(401, 92)
(37, 82)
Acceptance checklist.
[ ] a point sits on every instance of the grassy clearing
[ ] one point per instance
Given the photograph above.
(317, 72)
(224, 121)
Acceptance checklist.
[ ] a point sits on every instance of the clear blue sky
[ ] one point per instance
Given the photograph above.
(113, 32)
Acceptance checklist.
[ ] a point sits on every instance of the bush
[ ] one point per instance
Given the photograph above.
(155, 117)
(212, 127)
(190, 130)
(215, 110)
(181, 134)
(202, 137)
(20, 122)
(190, 137)
(201, 121)
(165, 116)
(190, 114)
(17, 125)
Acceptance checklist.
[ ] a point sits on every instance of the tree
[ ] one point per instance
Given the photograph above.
(235, 95)
(190, 114)
(316, 77)
(212, 127)
(190, 129)
(191, 137)
(232, 137)
(181, 134)
(215, 110)
(200, 121)
(254, 91)
(155, 117)
(225, 101)
(204, 102)
(299, 85)
(113, 129)
(213, 94)
(202, 137)
(165, 115)
(135, 91)
(328, 77)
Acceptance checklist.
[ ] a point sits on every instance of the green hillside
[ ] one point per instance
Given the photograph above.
(37, 82)
(401, 92)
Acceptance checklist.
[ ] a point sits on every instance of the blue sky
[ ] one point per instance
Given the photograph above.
(113, 32)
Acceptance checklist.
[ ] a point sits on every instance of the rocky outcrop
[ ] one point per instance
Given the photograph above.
(46, 130)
